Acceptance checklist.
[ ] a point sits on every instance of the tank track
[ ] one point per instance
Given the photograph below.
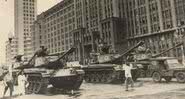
(80, 80)
(37, 84)
(100, 77)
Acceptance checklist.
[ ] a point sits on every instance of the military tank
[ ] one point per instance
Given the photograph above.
(107, 67)
(53, 72)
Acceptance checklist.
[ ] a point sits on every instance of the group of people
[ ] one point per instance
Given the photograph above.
(10, 79)
(18, 76)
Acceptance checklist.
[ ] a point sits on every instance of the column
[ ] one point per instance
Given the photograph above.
(148, 16)
(160, 15)
(172, 3)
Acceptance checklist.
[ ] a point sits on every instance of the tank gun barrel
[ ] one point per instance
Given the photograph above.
(132, 48)
(67, 53)
(157, 55)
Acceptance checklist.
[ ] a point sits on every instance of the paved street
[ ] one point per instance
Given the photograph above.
(145, 89)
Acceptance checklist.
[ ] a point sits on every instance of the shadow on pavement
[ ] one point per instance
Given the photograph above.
(53, 91)
(8, 97)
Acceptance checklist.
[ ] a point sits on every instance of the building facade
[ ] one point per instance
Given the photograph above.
(81, 23)
(54, 27)
(103, 19)
(37, 38)
(11, 50)
(25, 14)
(159, 23)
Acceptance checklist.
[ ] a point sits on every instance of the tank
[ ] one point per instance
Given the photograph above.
(53, 72)
(107, 67)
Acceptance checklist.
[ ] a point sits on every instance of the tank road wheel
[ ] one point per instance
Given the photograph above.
(99, 77)
(142, 73)
(109, 78)
(44, 85)
(168, 78)
(92, 78)
(180, 76)
(37, 87)
(96, 77)
(87, 78)
(103, 78)
(29, 89)
(156, 77)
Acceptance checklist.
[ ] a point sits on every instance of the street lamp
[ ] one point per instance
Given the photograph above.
(10, 37)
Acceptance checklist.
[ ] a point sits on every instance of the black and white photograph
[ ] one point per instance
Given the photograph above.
(92, 49)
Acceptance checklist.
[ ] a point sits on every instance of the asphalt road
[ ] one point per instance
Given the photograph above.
(144, 89)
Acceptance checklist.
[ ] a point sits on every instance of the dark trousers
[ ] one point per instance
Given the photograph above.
(10, 86)
(128, 81)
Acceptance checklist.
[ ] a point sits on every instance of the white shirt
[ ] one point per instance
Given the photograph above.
(127, 70)
(17, 64)
(8, 77)
(21, 79)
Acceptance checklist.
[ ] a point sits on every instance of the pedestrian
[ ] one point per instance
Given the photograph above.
(128, 76)
(17, 64)
(8, 83)
(21, 84)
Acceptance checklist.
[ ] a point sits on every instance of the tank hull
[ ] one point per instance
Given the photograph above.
(106, 73)
(71, 82)
(39, 79)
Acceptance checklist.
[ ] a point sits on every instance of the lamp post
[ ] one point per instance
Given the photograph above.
(10, 37)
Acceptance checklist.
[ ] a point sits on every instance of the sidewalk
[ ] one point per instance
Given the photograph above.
(15, 92)
(109, 91)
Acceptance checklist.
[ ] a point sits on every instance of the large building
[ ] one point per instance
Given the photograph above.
(25, 14)
(159, 23)
(80, 23)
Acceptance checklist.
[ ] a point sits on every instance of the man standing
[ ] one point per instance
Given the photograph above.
(128, 76)
(8, 83)
(21, 83)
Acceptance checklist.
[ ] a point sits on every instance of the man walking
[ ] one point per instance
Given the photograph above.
(128, 76)
(8, 83)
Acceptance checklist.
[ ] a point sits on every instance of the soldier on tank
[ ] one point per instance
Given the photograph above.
(100, 46)
(41, 56)
(18, 61)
